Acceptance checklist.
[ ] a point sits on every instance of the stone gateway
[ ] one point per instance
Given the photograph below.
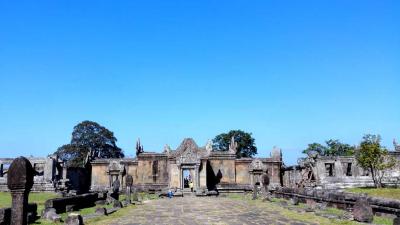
(206, 169)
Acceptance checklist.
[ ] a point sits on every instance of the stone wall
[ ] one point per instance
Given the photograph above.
(48, 172)
(337, 172)
(339, 199)
(242, 171)
(209, 169)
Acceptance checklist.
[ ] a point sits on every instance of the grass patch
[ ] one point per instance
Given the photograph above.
(382, 220)
(307, 217)
(38, 198)
(105, 220)
(393, 193)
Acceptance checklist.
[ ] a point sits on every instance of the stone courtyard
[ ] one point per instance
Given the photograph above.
(207, 210)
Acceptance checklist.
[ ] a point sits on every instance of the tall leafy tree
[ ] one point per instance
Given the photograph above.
(337, 148)
(371, 156)
(246, 143)
(331, 148)
(315, 149)
(89, 141)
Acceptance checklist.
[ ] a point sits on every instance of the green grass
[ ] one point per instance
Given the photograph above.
(393, 193)
(105, 220)
(38, 198)
(307, 217)
(102, 219)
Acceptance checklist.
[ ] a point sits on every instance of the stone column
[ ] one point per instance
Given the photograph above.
(49, 168)
(180, 177)
(128, 184)
(20, 182)
(197, 177)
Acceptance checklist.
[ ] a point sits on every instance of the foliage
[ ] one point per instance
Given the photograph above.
(89, 141)
(246, 143)
(373, 157)
(332, 148)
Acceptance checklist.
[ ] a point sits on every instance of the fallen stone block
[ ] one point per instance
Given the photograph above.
(101, 211)
(74, 219)
(362, 211)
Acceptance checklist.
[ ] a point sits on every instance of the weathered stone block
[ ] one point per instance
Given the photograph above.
(396, 221)
(69, 208)
(117, 204)
(5, 215)
(74, 219)
(362, 211)
(294, 201)
(101, 211)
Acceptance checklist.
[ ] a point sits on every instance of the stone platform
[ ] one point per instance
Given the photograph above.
(206, 210)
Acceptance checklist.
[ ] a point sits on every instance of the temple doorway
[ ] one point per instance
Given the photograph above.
(188, 175)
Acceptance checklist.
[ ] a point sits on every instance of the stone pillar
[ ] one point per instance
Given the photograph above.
(49, 168)
(128, 184)
(20, 182)
(197, 168)
(181, 177)
(1, 170)
(64, 172)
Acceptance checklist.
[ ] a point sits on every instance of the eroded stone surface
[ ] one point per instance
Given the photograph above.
(205, 210)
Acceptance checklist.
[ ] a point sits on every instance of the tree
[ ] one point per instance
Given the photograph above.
(89, 141)
(246, 146)
(315, 149)
(371, 156)
(332, 148)
(336, 148)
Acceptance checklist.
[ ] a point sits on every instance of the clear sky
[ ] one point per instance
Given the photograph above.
(290, 72)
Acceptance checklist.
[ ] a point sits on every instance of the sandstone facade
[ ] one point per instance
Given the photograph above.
(207, 169)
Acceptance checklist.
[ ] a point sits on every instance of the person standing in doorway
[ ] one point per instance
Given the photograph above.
(191, 185)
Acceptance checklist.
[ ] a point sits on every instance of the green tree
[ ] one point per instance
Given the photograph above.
(332, 148)
(315, 149)
(89, 141)
(246, 146)
(336, 148)
(371, 156)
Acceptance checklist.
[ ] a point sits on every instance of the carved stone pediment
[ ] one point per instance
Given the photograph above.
(257, 165)
(115, 167)
(188, 157)
(189, 153)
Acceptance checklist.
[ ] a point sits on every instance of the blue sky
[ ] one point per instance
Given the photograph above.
(290, 72)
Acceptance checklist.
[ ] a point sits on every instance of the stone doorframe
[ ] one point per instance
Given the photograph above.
(196, 177)
(115, 171)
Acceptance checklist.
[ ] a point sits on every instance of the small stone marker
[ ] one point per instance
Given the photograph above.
(255, 190)
(362, 211)
(294, 201)
(74, 219)
(135, 196)
(129, 183)
(115, 189)
(101, 211)
(20, 182)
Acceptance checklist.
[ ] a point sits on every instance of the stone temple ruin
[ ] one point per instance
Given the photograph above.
(315, 180)
(208, 170)
(332, 172)
(50, 173)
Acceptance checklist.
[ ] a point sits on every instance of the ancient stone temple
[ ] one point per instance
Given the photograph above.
(48, 173)
(206, 169)
(333, 172)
